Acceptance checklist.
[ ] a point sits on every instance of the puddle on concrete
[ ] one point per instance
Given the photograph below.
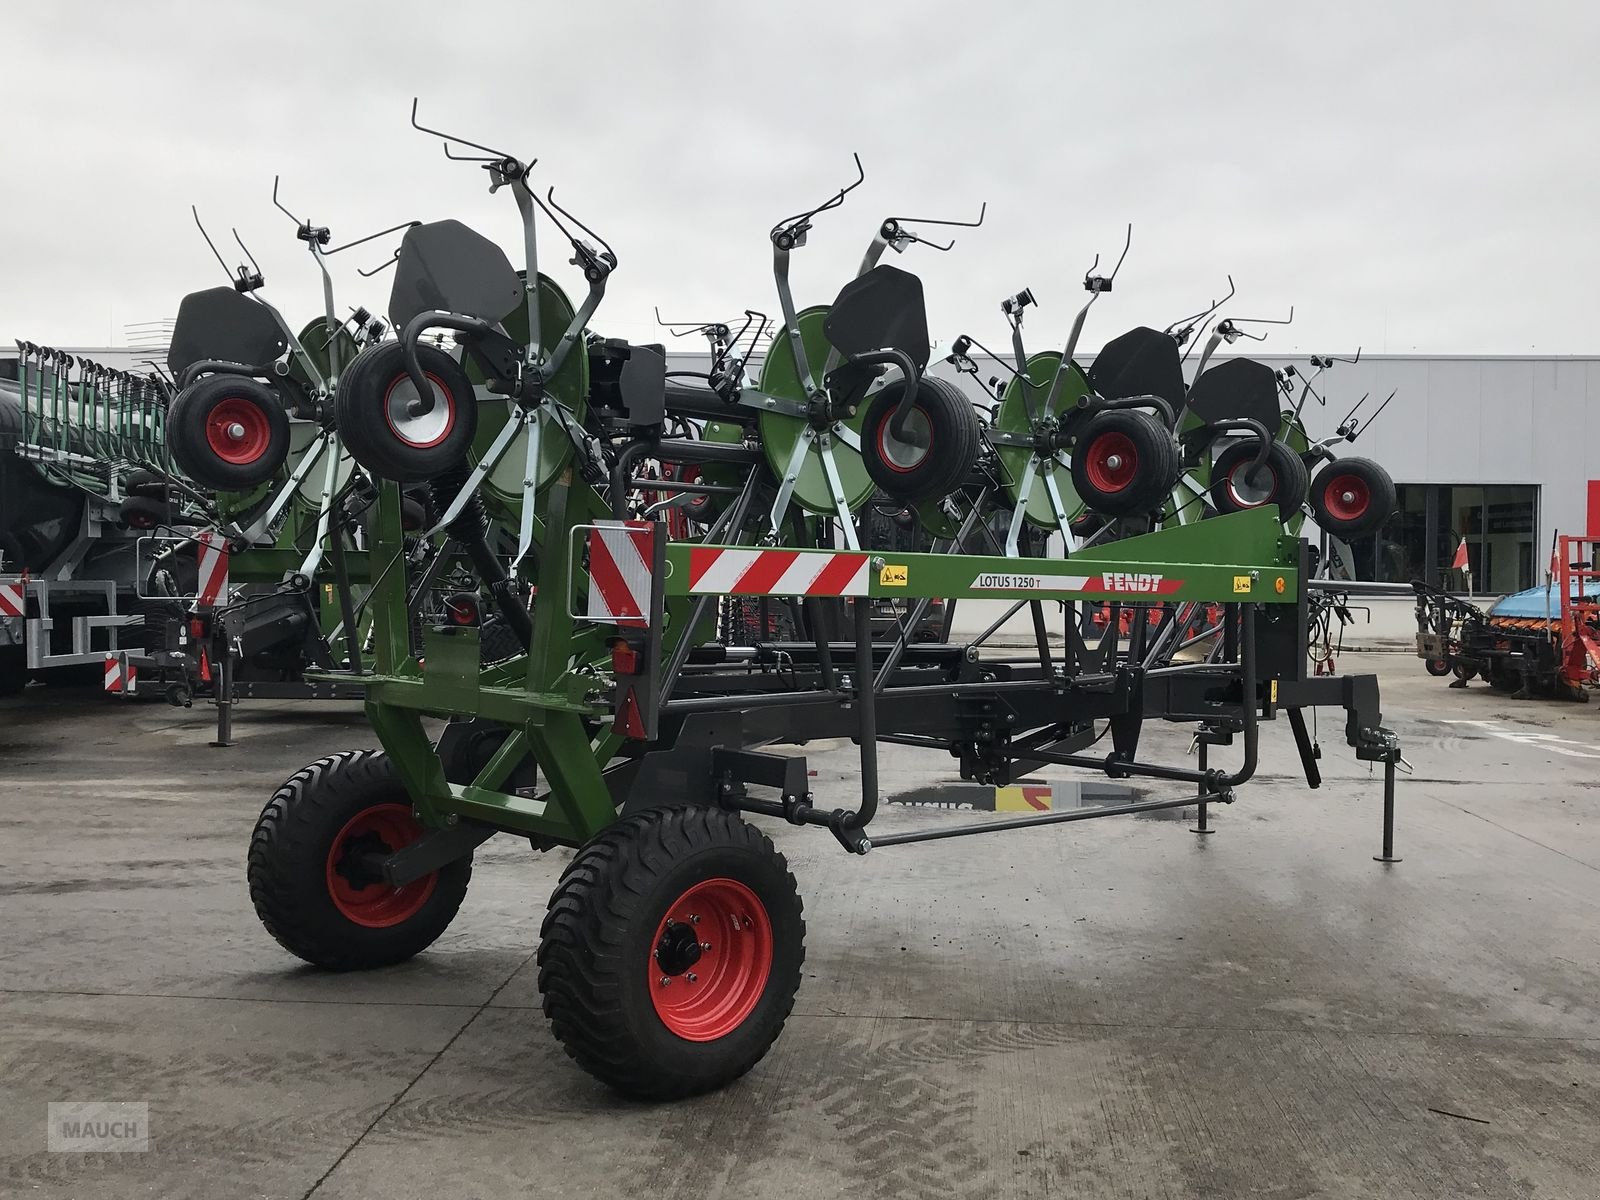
(1029, 795)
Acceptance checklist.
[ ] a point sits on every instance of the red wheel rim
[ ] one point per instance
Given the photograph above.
(237, 431)
(427, 431)
(710, 960)
(374, 904)
(1249, 495)
(1346, 497)
(1111, 462)
(892, 452)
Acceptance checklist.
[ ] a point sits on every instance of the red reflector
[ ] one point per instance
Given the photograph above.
(624, 659)
(629, 723)
(205, 666)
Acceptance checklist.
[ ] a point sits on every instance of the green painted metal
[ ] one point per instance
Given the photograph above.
(1242, 556)
(569, 387)
(318, 340)
(780, 377)
(1012, 417)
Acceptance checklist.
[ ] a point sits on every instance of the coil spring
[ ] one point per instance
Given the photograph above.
(472, 523)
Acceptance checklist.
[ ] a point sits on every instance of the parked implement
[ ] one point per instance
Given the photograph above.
(625, 728)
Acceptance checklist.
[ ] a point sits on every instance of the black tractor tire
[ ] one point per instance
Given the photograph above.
(375, 423)
(145, 483)
(1124, 461)
(943, 439)
(1352, 496)
(691, 896)
(1463, 672)
(144, 512)
(228, 433)
(1437, 667)
(1285, 481)
(320, 904)
(497, 641)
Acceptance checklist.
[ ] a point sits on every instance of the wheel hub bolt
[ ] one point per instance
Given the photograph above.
(1349, 497)
(693, 978)
(1113, 461)
(693, 919)
(236, 432)
(705, 945)
(665, 980)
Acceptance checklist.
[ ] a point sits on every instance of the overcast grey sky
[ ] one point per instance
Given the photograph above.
(1411, 176)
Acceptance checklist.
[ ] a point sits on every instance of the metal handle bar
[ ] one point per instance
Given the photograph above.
(897, 358)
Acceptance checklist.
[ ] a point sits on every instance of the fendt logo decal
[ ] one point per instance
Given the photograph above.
(1148, 585)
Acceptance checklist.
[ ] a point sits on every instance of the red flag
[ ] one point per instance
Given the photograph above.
(1460, 563)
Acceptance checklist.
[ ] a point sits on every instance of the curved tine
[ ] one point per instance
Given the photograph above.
(210, 243)
(695, 326)
(1289, 320)
(393, 258)
(298, 222)
(982, 211)
(550, 196)
(1126, 244)
(832, 202)
(447, 138)
(372, 236)
(246, 250)
(1204, 312)
(1199, 333)
(1336, 358)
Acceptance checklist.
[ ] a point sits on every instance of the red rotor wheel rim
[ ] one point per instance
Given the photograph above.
(711, 989)
(376, 905)
(1111, 462)
(237, 431)
(1347, 497)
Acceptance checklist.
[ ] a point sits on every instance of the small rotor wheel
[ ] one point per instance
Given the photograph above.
(228, 432)
(393, 430)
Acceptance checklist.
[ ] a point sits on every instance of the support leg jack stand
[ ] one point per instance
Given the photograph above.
(1388, 855)
(1200, 825)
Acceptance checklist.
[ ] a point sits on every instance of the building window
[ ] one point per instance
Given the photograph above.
(1498, 521)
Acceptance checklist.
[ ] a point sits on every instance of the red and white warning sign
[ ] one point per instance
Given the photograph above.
(213, 555)
(121, 674)
(717, 571)
(13, 598)
(619, 572)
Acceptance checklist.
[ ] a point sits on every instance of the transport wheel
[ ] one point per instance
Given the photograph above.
(1437, 667)
(1463, 672)
(940, 443)
(1352, 496)
(671, 952)
(1124, 462)
(310, 871)
(1281, 481)
(378, 421)
(143, 512)
(228, 432)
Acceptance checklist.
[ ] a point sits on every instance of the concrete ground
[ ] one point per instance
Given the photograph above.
(1110, 1009)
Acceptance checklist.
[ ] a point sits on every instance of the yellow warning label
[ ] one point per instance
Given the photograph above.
(893, 575)
(1274, 691)
(1241, 583)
